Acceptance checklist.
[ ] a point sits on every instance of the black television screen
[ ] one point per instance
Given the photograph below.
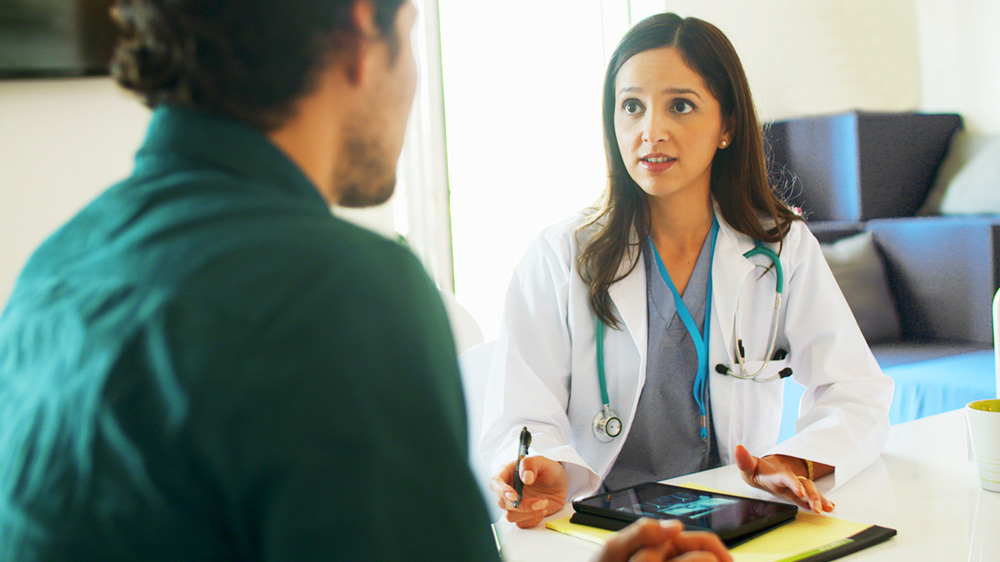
(55, 37)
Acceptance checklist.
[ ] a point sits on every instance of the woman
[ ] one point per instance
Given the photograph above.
(672, 276)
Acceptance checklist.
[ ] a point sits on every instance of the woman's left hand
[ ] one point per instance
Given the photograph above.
(776, 474)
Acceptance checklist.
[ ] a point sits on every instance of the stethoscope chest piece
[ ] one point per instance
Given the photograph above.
(607, 425)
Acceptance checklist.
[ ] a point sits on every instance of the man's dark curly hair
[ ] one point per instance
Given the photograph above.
(246, 59)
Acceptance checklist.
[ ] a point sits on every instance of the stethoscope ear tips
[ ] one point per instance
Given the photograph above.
(723, 370)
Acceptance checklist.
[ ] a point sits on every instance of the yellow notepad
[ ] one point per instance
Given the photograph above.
(808, 534)
(585, 532)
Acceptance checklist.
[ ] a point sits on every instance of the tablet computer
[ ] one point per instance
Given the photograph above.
(730, 517)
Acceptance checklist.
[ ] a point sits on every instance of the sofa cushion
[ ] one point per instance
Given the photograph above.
(944, 273)
(930, 387)
(831, 231)
(861, 165)
(858, 268)
(922, 389)
(975, 189)
(968, 176)
(893, 353)
(960, 149)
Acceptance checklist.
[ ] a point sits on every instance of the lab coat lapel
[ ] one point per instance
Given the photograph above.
(629, 297)
(729, 269)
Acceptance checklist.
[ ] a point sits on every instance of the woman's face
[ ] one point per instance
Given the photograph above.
(667, 123)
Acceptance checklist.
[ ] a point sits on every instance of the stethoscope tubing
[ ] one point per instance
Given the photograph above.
(779, 289)
(758, 248)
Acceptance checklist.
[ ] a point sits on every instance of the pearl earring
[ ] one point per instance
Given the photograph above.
(724, 143)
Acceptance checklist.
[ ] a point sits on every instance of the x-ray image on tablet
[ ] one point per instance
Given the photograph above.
(683, 504)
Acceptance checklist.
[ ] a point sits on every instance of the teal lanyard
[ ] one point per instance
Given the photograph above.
(700, 341)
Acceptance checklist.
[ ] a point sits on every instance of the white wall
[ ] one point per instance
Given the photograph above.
(960, 60)
(825, 56)
(62, 142)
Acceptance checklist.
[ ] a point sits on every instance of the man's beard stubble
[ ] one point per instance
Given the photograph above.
(362, 178)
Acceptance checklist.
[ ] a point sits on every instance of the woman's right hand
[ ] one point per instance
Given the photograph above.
(544, 491)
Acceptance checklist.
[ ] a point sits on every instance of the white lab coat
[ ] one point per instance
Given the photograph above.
(543, 373)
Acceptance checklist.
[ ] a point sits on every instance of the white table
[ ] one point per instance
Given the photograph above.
(923, 485)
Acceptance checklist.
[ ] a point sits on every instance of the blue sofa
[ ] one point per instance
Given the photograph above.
(863, 172)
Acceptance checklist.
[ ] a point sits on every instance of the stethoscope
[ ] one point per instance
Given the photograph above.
(744, 374)
(608, 425)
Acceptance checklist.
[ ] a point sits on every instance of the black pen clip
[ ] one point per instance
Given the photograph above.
(522, 451)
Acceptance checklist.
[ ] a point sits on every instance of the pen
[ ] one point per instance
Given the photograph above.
(522, 452)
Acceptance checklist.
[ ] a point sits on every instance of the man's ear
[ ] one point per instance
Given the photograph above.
(358, 47)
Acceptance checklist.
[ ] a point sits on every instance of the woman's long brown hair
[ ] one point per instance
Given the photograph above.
(739, 179)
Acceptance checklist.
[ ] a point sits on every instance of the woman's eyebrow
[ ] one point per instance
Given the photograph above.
(678, 91)
(673, 91)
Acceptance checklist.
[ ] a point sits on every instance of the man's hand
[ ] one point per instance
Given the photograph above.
(648, 540)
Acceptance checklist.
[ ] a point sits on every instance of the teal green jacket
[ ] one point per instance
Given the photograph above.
(205, 364)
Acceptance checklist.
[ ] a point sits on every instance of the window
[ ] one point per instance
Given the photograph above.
(522, 91)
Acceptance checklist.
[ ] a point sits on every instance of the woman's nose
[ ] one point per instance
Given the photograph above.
(656, 127)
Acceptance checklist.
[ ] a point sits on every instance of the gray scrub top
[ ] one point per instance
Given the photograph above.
(664, 439)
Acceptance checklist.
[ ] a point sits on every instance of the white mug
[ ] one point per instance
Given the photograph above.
(983, 418)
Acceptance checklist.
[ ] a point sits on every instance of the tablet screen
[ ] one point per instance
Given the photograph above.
(721, 513)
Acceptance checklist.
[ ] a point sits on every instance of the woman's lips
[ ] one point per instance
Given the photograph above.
(656, 162)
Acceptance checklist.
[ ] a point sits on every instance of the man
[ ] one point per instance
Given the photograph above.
(205, 364)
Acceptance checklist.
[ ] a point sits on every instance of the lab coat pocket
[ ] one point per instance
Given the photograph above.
(773, 372)
(759, 405)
